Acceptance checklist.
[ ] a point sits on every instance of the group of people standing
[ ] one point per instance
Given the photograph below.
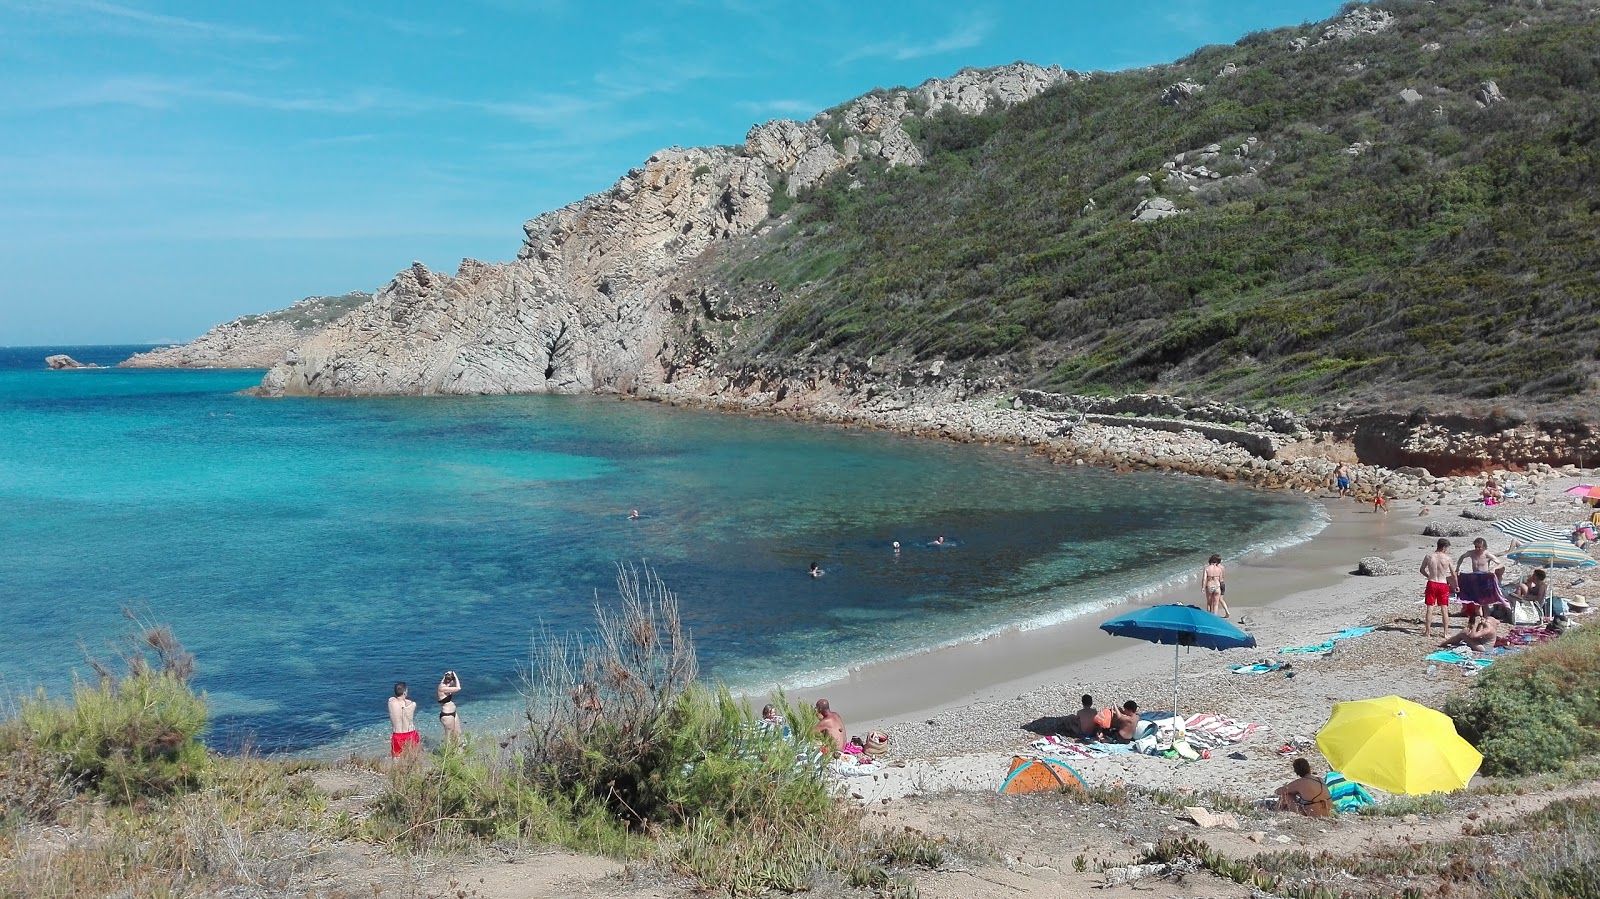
(1475, 578)
(403, 712)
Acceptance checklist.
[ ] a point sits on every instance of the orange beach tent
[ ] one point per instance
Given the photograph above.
(1039, 775)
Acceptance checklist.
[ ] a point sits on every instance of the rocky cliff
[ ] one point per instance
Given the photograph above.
(587, 303)
(253, 341)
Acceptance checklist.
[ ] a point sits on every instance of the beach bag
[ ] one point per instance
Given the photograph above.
(877, 744)
(1526, 613)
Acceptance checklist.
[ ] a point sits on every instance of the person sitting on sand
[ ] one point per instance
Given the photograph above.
(1124, 723)
(1305, 794)
(830, 725)
(1479, 633)
(1492, 494)
(1533, 589)
(1081, 724)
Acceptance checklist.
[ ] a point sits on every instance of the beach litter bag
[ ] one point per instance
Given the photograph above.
(1039, 776)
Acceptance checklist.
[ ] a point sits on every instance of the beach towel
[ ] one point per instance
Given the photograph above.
(1257, 668)
(1327, 645)
(1479, 587)
(1219, 729)
(1529, 530)
(1451, 658)
(1054, 745)
(1347, 794)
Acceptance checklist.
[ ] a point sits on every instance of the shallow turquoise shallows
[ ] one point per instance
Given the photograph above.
(312, 552)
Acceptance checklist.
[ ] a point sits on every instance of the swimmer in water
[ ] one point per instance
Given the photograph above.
(816, 570)
(897, 546)
(939, 541)
(634, 515)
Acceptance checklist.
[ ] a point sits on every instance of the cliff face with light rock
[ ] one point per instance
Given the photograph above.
(253, 341)
(587, 304)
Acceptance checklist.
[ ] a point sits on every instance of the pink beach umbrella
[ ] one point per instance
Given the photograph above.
(1587, 491)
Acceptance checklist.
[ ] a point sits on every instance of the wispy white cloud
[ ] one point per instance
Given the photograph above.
(99, 15)
(964, 36)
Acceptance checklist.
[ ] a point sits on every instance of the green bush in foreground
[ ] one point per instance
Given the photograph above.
(131, 738)
(131, 733)
(1537, 710)
(627, 754)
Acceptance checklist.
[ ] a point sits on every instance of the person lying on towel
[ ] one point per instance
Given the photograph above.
(1479, 633)
(1305, 794)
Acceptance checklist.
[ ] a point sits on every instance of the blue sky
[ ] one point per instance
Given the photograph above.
(168, 165)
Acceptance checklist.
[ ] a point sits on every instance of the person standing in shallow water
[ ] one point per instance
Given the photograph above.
(449, 686)
(1213, 580)
(402, 722)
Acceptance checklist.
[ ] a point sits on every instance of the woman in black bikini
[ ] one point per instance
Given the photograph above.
(449, 686)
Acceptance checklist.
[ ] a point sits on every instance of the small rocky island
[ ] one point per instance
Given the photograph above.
(63, 362)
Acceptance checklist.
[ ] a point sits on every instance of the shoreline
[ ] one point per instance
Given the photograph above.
(888, 694)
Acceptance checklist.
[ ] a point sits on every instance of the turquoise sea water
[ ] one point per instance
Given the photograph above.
(311, 552)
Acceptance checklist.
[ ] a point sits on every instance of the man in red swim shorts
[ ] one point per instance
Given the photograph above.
(1440, 570)
(402, 715)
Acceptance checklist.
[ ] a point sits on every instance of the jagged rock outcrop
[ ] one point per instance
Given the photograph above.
(253, 341)
(1487, 94)
(1154, 209)
(585, 305)
(1359, 21)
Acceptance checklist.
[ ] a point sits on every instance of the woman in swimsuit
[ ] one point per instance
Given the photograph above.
(449, 687)
(1213, 580)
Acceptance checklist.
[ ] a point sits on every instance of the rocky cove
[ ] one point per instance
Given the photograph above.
(1146, 432)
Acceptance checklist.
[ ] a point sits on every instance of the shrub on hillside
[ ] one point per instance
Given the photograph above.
(1536, 710)
(131, 733)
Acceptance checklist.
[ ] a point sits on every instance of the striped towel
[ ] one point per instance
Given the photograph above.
(1220, 728)
(1529, 530)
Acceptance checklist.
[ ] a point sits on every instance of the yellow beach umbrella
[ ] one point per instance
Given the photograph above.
(1398, 746)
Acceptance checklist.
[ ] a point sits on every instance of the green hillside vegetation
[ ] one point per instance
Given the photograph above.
(1456, 254)
(312, 312)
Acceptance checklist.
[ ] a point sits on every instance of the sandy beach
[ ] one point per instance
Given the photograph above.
(957, 715)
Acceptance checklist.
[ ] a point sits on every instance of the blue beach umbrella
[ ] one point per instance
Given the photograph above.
(1180, 625)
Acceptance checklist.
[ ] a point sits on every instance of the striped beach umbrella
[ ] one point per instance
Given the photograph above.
(1555, 553)
(1530, 530)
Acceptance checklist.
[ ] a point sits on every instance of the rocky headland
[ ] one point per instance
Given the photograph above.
(595, 298)
(253, 341)
(647, 290)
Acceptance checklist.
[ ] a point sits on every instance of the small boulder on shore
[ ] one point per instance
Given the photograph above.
(1437, 528)
(1376, 566)
(62, 362)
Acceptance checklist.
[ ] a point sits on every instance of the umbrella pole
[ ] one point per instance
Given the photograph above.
(1179, 725)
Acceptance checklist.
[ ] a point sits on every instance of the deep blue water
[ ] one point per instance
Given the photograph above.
(311, 552)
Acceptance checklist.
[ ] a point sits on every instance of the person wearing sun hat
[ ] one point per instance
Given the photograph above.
(1577, 604)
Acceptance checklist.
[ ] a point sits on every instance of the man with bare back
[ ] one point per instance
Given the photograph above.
(402, 723)
(830, 725)
(1440, 570)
